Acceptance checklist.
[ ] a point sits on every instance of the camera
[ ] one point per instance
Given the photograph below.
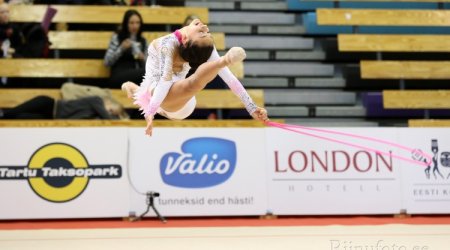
(153, 194)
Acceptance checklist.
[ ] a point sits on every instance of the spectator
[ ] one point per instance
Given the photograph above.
(30, 40)
(126, 51)
(44, 107)
(11, 39)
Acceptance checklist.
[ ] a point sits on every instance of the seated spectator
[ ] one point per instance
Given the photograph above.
(11, 39)
(126, 51)
(28, 40)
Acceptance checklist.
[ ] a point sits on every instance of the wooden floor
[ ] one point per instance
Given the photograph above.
(291, 233)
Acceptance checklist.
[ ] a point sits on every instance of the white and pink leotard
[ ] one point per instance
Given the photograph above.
(159, 76)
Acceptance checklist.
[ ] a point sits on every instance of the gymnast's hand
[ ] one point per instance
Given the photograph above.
(260, 114)
(149, 128)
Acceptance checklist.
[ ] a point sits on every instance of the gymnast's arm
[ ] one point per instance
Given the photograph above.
(165, 83)
(238, 89)
(162, 87)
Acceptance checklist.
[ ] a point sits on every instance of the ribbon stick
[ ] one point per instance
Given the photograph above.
(290, 127)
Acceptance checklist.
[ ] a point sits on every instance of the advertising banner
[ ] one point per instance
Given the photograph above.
(426, 189)
(313, 176)
(63, 173)
(107, 172)
(199, 171)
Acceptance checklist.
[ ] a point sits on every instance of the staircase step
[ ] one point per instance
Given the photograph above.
(335, 122)
(269, 82)
(253, 54)
(257, 55)
(278, 29)
(280, 55)
(315, 55)
(243, 5)
(259, 29)
(231, 29)
(211, 5)
(287, 69)
(341, 111)
(276, 5)
(308, 97)
(320, 82)
(300, 111)
(269, 42)
(252, 18)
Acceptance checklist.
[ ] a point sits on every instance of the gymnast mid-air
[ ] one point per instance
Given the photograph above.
(165, 88)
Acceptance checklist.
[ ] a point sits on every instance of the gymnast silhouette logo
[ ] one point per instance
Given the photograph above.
(203, 162)
(59, 172)
(433, 164)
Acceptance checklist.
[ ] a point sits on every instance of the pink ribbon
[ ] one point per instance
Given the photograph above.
(296, 128)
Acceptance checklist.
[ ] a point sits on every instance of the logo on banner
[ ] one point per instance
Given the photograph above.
(338, 171)
(433, 169)
(59, 172)
(331, 161)
(203, 162)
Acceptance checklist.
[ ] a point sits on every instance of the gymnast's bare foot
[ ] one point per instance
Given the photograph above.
(130, 88)
(234, 55)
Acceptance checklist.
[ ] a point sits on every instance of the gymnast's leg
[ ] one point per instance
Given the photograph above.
(183, 90)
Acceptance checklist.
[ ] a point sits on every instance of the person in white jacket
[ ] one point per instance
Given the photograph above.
(165, 88)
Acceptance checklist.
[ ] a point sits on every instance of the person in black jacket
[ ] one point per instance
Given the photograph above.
(126, 51)
(44, 107)
(11, 38)
(29, 40)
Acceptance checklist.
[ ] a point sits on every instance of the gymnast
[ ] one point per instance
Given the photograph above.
(165, 88)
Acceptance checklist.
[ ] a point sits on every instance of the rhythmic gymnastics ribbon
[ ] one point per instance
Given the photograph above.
(298, 129)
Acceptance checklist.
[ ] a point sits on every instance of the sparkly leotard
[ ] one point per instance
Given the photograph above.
(159, 76)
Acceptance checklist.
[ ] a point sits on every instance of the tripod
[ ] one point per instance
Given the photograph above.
(150, 204)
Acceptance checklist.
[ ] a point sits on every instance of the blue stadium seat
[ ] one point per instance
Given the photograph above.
(373, 102)
(303, 5)
(311, 27)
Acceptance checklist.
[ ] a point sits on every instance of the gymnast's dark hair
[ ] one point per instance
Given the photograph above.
(195, 54)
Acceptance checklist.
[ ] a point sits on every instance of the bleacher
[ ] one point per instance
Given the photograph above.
(318, 62)
(93, 40)
(427, 101)
(105, 14)
(88, 67)
(393, 43)
(330, 63)
(206, 99)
